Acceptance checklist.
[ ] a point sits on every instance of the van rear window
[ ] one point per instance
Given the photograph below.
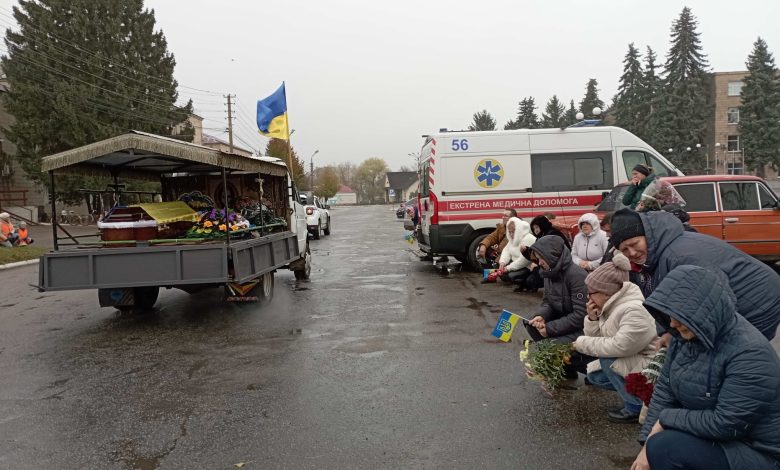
(576, 171)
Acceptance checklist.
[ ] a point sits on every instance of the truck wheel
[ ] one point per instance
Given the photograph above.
(327, 228)
(318, 231)
(265, 290)
(145, 297)
(303, 274)
(471, 254)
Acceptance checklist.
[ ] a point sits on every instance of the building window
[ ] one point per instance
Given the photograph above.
(735, 168)
(733, 116)
(733, 144)
(735, 88)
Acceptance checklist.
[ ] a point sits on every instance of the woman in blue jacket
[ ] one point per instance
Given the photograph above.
(716, 404)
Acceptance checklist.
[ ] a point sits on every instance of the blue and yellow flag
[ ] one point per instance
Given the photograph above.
(272, 115)
(506, 325)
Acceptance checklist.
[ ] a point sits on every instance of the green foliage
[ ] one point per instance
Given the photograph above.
(482, 121)
(629, 105)
(683, 105)
(591, 99)
(759, 115)
(526, 116)
(82, 71)
(369, 180)
(546, 361)
(327, 182)
(278, 148)
(554, 113)
(571, 115)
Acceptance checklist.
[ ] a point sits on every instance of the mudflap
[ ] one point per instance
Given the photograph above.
(242, 292)
(117, 297)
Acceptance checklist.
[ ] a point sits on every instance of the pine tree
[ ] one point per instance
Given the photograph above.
(630, 97)
(554, 113)
(591, 99)
(510, 125)
(81, 71)
(759, 115)
(278, 148)
(526, 114)
(683, 102)
(651, 85)
(571, 115)
(483, 121)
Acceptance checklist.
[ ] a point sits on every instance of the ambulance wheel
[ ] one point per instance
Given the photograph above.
(471, 255)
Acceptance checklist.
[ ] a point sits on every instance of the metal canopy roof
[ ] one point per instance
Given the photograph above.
(141, 155)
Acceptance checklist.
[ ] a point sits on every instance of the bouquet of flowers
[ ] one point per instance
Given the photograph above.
(641, 384)
(215, 223)
(545, 361)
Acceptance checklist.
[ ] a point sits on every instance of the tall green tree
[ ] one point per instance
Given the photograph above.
(630, 99)
(526, 115)
(482, 121)
(651, 86)
(81, 71)
(278, 148)
(759, 115)
(571, 115)
(554, 114)
(591, 99)
(683, 104)
(369, 180)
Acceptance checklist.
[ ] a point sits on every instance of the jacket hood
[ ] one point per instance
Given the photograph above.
(661, 229)
(592, 220)
(543, 223)
(699, 299)
(522, 228)
(552, 249)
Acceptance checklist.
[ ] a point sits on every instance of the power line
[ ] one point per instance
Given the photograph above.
(94, 54)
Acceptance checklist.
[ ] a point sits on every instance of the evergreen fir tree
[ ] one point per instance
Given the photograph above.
(759, 115)
(591, 99)
(571, 115)
(483, 121)
(278, 148)
(526, 115)
(510, 125)
(81, 71)
(651, 85)
(683, 104)
(554, 113)
(630, 97)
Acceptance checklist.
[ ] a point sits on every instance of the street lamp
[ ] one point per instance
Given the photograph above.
(311, 173)
(717, 150)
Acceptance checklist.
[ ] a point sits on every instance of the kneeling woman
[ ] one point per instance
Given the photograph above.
(716, 404)
(619, 331)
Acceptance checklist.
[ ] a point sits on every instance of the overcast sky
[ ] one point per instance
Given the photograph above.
(368, 78)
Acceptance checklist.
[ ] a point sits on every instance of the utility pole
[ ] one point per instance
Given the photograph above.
(230, 121)
(311, 171)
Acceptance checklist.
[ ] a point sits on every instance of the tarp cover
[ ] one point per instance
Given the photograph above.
(167, 212)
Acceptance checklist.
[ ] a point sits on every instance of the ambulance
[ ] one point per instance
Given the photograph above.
(467, 179)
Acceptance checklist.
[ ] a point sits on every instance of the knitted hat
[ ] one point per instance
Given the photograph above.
(642, 169)
(625, 224)
(609, 277)
(5, 216)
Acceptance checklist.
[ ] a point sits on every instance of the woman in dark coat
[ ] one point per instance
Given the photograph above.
(562, 314)
(641, 177)
(715, 405)
(541, 227)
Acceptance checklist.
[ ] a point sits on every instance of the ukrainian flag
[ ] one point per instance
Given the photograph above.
(272, 115)
(505, 326)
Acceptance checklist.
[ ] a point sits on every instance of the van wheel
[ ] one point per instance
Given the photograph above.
(471, 254)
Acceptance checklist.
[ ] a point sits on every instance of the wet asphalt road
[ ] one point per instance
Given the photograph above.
(379, 361)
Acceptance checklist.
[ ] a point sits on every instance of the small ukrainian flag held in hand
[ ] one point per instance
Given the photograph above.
(505, 326)
(272, 115)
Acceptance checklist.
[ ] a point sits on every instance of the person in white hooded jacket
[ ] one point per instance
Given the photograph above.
(512, 262)
(590, 244)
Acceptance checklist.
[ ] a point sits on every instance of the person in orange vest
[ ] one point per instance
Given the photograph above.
(7, 235)
(23, 236)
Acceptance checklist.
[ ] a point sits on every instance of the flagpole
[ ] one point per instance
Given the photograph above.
(287, 122)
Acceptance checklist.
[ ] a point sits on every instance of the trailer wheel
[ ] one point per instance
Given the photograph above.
(265, 290)
(303, 274)
(145, 297)
(471, 254)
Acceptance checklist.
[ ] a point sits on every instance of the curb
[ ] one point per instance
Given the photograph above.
(18, 264)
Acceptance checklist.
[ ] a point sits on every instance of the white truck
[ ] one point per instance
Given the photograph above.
(469, 178)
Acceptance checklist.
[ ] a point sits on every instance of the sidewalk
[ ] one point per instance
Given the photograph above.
(42, 234)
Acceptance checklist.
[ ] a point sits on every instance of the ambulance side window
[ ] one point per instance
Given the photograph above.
(425, 182)
(553, 172)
